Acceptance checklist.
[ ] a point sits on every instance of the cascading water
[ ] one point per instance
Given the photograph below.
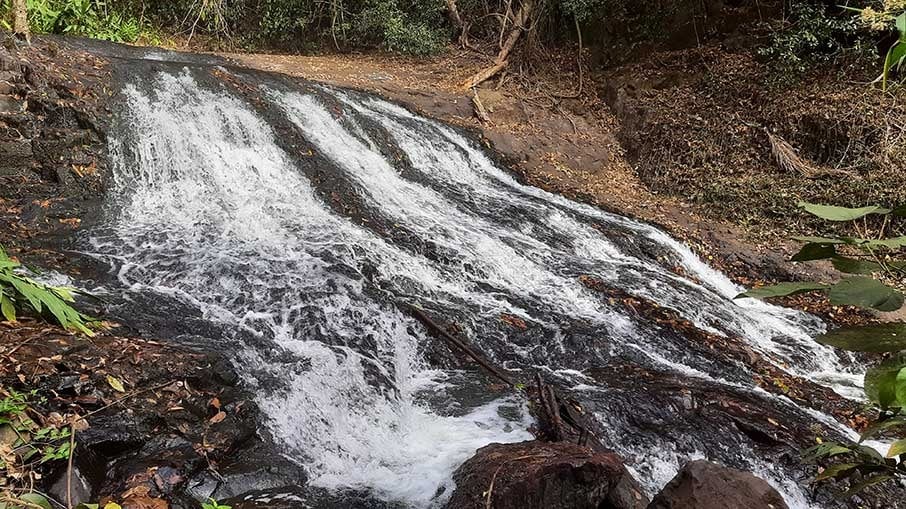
(301, 220)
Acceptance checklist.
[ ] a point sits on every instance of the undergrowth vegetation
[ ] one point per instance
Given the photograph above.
(87, 18)
(21, 294)
(874, 277)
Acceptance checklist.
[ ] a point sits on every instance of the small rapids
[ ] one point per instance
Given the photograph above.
(299, 221)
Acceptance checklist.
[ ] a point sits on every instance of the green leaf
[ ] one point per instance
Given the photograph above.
(891, 243)
(36, 499)
(825, 450)
(865, 292)
(877, 427)
(899, 211)
(878, 338)
(88, 506)
(837, 471)
(832, 213)
(782, 290)
(115, 383)
(897, 448)
(814, 251)
(7, 309)
(881, 381)
(865, 483)
(820, 240)
(894, 57)
(900, 388)
(901, 26)
(855, 266)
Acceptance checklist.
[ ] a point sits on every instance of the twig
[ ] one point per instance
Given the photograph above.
(72, 432)
(124, 398)
(459, 344)
(490, 492)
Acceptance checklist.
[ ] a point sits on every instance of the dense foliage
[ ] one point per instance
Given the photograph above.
(89, 18)
(871, 264)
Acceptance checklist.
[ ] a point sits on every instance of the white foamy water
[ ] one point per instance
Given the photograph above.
(210, 208)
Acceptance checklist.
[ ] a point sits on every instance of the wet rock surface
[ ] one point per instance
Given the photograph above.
(536, 475)
(705, 485)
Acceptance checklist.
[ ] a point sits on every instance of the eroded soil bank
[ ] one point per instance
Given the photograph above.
(182, 429)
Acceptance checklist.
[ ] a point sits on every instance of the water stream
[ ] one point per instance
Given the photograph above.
(300, 223)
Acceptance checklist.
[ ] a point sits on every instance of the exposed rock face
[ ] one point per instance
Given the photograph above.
(705, 485)
(544, 475)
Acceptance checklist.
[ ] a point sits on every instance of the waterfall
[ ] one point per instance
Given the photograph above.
(301, 223)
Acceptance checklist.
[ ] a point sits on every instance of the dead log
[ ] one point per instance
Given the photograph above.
(432, 325)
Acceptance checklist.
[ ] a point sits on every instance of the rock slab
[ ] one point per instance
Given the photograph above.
(705, 485)
(544, 475)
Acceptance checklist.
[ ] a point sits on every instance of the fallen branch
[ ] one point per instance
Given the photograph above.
(72, 432)
(523, 15)
(431, 324)
(788, 160)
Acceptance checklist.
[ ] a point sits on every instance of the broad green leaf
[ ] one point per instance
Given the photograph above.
(869, 453)
(832, 213)
(901, 26)
(897, 448)
(814, 252)
(837, 471)
(825, 450)
(36, 499)
(881, 381)
(855, 266)
(865, 292)
(894, 57)
(899, 211)
(891, 243)
(782, 290)
(115, 383)
(900, 388)
(865, 483)
(879, 338)
(820, 240)
(877, 427)
(112, 505)
(7, 309)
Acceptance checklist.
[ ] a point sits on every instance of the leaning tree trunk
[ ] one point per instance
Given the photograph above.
(20, 19)
(520, 25)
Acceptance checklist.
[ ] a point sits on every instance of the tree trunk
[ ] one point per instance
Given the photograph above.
(20, 19)
(520, 24)
(453, 12)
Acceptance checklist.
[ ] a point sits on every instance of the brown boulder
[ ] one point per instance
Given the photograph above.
(544, 475)
(705, 485)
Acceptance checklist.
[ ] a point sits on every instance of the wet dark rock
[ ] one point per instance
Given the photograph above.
(544, 475)
(705, 485)
(294, 497)
(88, 474)
(256, 470)
(112, 436)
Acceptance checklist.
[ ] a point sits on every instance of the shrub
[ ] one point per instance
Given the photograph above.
(813, 34)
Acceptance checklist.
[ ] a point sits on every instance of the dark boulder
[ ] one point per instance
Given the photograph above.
(544, 475)
(705, 485)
